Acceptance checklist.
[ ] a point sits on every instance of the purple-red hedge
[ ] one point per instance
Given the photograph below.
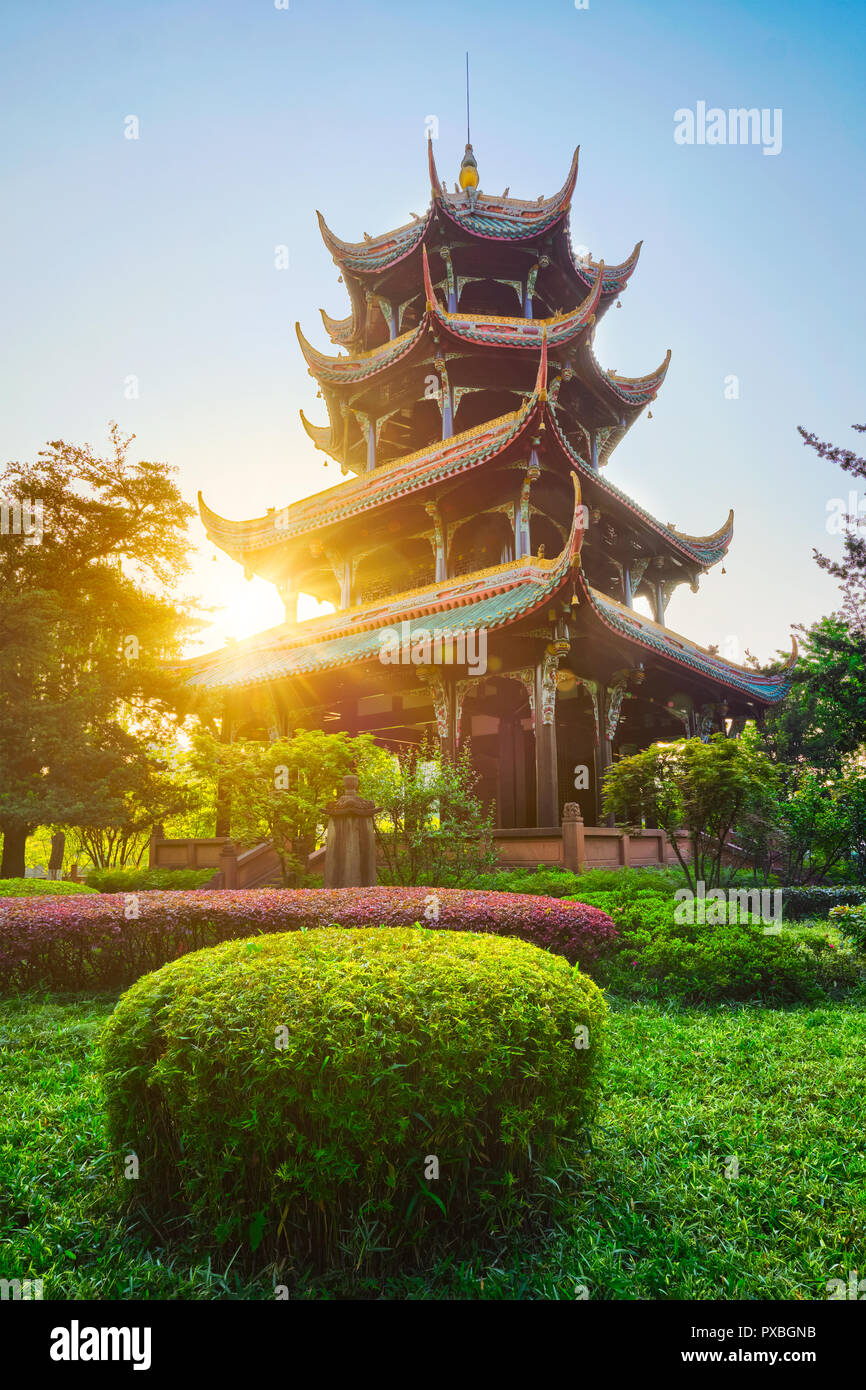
(100, 943)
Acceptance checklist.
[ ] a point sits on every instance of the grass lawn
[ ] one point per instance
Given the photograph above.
(653, 1214)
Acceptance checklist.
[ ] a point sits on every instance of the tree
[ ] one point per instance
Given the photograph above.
(144, 791)
(279, 790)
(816, 829)
(823, 719)
(90, 551)
(708, 790)
(432, 828)
(851, 569)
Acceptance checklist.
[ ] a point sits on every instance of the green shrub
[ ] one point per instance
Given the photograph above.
(400, 1045)
(660, 958)
(706, 963)
(561, 883)
(851, 921)
(816, 901)
(159, 880)
(39, 887)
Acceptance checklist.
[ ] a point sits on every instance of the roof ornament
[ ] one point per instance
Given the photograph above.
(469, 166)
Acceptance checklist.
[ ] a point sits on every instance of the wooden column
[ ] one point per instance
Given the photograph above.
(626, 586)
(447, 411)
(521, 812)
(660, 602)
(444, 703)
(371, 444)
(505, 788)
(546, 762)
(605, 751)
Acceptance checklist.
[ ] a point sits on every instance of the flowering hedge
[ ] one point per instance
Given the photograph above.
(109, 940)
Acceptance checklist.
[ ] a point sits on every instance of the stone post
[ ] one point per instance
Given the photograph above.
(573, 851)
(157, 832)
(350, 846)
(229, 864)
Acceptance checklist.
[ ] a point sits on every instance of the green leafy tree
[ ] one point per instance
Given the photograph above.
(432, 828)
(143, 791)
(711, 792)
(823, 719)
(87, 619)
(820, 820)
(279, 790)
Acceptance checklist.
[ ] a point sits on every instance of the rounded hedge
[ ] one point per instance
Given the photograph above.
(285, 1088)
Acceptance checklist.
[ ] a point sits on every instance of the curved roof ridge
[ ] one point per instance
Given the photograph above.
(685, 543)
(361, 490)
(347, 250)
(724, 533)
(636, 391)
(631, 624)
(562, 324)
(558, 200)
(615, 276)
(377, 357)
(339, 330)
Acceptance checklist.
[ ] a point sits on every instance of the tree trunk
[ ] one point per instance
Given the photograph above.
(14, 846)
(223, 809)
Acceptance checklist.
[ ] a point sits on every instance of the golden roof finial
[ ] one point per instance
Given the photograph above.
(469, 167)
(469, 170)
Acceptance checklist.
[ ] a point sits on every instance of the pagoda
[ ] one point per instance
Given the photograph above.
(472, 423)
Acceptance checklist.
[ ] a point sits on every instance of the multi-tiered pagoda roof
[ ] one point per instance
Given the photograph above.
(466, 399)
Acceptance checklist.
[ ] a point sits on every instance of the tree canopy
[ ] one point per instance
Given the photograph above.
(87, 619)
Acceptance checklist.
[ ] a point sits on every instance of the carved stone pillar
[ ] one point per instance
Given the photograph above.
(573, 849)
(350, 847)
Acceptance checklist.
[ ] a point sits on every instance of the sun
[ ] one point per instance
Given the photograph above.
(255, 606)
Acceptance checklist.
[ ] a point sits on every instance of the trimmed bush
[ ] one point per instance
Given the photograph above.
(134, 880)
(561, 883)
(817, 902)
(851, 921)
(659, 958)
(290, 1089)
(698, 965)
(110, 940)
(40, 888)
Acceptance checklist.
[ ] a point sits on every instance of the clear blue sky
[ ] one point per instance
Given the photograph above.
(155, 257)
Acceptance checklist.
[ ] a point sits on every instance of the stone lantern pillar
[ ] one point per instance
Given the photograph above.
(350, 845)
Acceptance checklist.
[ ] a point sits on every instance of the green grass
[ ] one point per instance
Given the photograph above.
(648, 1214)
